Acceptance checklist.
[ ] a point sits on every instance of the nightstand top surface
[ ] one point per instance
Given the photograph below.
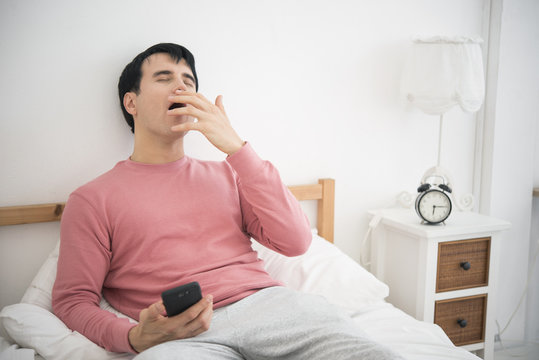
(458, 223)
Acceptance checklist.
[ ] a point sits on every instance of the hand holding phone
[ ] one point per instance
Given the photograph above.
(153, 328)
(181, 298)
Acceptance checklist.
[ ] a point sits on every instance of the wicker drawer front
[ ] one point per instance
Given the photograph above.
(463, 264)
(462, 319)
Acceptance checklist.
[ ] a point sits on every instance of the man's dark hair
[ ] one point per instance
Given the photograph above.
(132, 73)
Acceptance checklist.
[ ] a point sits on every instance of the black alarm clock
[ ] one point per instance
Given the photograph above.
(433, 203)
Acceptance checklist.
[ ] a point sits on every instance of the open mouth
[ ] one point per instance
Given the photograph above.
(176, 106)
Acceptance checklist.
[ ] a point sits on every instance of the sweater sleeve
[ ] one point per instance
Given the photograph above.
(83, 263)
(271, 214)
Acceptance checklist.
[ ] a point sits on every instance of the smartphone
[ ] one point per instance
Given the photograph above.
(181, 298)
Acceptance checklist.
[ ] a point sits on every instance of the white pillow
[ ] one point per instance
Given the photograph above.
(40, 290)
(325, 270)
(32, 324)
(33, 327)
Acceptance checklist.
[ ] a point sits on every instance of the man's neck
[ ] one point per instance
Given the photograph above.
(157, 152)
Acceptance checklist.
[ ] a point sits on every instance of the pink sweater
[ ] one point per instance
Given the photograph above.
(140, 229)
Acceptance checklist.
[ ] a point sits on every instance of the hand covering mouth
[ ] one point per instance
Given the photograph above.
(176, 106)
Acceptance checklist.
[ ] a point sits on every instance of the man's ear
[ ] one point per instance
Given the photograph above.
(130, 102)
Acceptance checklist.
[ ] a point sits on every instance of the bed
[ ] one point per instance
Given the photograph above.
(30, 330)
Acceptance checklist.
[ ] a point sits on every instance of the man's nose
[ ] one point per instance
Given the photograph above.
(180, 85)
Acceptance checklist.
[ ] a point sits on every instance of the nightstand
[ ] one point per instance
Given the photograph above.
(444, 274)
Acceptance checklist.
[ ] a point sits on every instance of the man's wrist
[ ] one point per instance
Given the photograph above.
(236, 148)
(132, 337)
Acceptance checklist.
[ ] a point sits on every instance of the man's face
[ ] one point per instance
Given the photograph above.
(161, 77)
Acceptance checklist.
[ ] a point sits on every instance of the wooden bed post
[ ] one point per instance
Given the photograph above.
(326, 209)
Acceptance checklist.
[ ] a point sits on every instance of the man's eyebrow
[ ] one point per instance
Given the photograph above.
(161, 72)
(187, 75)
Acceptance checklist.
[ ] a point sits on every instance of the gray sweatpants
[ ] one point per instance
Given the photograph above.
(276, 323)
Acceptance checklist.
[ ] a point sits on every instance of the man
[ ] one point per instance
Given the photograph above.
(161, 219)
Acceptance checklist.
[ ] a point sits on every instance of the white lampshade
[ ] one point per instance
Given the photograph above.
(442, 72)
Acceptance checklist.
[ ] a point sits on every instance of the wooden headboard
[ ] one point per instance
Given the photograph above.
(324, 192)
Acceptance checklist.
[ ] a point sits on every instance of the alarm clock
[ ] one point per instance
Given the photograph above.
(433, 203)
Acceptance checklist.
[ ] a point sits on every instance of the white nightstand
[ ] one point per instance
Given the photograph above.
(444, 274)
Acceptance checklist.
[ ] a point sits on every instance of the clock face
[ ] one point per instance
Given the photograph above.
(434, 206)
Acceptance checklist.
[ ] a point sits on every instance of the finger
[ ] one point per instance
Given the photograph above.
(207, 313)
(203, 304)
(193, 99)
(194, 311)
(186, 127)
(219, 103)
(187, 110)
(192, 93)
(156, 309)
(202, 323)
(198, 318)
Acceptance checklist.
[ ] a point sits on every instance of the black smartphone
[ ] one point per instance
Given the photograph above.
(181, 298)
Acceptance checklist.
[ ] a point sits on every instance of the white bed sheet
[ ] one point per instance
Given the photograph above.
(10, 351)
(413, 339)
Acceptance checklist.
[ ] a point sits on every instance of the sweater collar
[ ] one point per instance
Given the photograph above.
(169, 165)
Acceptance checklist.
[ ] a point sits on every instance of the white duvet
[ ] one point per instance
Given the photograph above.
(29, 328)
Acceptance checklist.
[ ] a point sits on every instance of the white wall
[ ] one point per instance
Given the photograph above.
(313, 85)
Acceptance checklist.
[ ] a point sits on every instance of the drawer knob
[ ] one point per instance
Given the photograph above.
(462, 322)
(465, 265)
